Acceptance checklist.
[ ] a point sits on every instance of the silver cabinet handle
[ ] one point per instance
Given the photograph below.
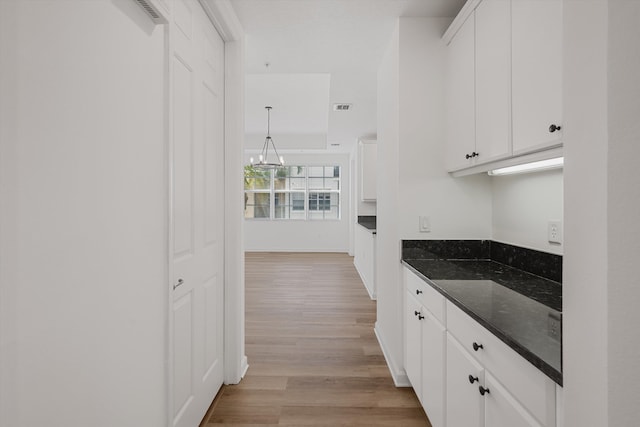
(180, 282)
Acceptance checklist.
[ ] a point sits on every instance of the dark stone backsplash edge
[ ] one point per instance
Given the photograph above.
(542, 264)
(368, 222)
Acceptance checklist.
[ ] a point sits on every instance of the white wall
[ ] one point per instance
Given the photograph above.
(585, 264)
(522, 207)
(305, 236)
(389, 314)
(623, 193)
(412, 179)
(82, 215)
(458, 208)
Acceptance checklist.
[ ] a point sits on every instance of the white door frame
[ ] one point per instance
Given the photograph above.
(226, 22)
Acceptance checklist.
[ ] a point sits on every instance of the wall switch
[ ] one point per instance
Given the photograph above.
(424, 224)
(554, 232)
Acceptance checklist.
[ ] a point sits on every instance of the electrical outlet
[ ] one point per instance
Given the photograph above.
(424, 224)
(554, 326)
(554, 232)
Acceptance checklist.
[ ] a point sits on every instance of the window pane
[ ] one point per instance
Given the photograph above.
(316, 171)
(257, 205)
(316, 183)
(297, 171)
(281, 183)
(256, 179)
(320, 201)
(332, 183)
(297, 201)
(297, 183)
(289, 205)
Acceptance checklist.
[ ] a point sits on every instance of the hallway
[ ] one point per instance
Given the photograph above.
(313, 357)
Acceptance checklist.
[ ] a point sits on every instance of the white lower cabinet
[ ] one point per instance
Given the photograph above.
(433, 368)
(465, 406)
(365, 258)
(413, 344)
(464, 375)
(425, 348)
(424, 358)
(501, 409)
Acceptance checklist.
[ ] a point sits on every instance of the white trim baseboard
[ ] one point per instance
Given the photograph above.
(368, 286)
(244, 366)
(400, 378)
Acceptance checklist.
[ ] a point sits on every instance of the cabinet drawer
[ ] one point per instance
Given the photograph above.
(431, 299)
(467, 331)
(534, 390)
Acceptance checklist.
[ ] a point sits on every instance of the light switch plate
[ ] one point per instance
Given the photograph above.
(424, 225)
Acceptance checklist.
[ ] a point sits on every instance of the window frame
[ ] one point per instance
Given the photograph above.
(307, 191)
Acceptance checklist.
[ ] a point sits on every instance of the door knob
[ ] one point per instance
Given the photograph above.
(477, 346)
(472, 379)
(483, 390)
(180, 282)
(554, 128)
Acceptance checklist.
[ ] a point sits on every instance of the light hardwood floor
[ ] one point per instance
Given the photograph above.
(313, 357)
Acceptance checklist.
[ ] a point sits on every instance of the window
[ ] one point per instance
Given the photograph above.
(292, 192)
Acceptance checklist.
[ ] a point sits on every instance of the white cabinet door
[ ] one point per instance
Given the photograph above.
(364, 259)
(502, 409)
(368, 171)
(197, 112)
(413, 343)
(465, 405)
(433, 368)
(460, 97)
(493, 80)
(537, 74)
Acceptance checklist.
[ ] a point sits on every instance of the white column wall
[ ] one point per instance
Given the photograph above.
(585, 266)
(82, 215)
(412, 178)
(388, 326)
(623, 192)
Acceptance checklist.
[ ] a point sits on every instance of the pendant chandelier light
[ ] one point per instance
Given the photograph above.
(268, 160)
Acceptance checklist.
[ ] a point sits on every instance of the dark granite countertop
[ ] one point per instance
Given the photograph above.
(368, 222)
(516, 306)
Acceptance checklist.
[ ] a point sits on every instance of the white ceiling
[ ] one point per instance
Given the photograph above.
(344, 40)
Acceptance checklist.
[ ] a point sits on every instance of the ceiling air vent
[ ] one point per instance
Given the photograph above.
(153, 9)
(341, 107)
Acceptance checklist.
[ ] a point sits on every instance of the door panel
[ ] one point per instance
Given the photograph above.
(212, 154)
(503, 410)
(182, 158)
(465, 405)
(182, 345)
(197, 164)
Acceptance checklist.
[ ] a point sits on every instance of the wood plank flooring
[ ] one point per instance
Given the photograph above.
(313, 357)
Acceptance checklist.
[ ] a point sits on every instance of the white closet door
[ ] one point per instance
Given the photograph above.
(197, 161)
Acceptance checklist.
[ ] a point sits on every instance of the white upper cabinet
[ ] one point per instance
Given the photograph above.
(368, 166)
(460, 97)
(504, 82)
(537, 74)
(493, 80)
